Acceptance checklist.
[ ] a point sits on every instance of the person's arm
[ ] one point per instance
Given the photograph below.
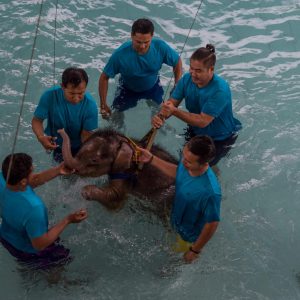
(166, 167)
(205, 235)
(200, 120)
(50, 237)
(103, 88)
(158, 120)
(177, 70)
(85, 135)
(36, 179)
(48, 142)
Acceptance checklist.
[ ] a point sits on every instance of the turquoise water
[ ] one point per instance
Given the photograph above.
(125, 255)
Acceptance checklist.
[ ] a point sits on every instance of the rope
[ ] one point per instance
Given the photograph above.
(25, 90)
(54, 68)
(54, 43)
(186, 39)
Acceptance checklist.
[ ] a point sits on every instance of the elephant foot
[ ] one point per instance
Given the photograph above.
(111, 197)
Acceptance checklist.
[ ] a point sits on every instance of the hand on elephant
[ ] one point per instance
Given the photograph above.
(145, 155)
(88, 192)
(64, 170)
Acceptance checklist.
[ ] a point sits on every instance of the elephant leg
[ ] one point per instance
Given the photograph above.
(111, 196)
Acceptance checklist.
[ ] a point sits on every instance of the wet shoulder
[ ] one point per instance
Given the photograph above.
(213, 182)
(123, 49)
(219, 83)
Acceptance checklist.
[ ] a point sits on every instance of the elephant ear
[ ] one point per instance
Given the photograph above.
(123, 159)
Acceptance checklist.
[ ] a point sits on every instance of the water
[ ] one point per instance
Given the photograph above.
(125, 255)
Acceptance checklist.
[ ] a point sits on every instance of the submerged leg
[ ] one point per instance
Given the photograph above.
(111, 196)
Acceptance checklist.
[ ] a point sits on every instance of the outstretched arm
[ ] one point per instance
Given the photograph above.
(36, 179)
(166, 167)
(49, 237)
(200, 120)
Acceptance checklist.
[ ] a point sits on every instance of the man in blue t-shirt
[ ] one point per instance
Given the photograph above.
(138, 61)
(196, 208)
(208, 101)
(24, 228)
(68, 106)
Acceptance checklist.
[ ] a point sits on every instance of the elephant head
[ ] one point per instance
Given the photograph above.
(103, 152)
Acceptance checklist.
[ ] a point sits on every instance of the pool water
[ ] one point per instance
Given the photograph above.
(127, 255)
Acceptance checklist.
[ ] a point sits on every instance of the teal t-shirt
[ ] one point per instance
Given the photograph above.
(60, 113)
(24, 217)
(214, 100)
(197, 202)
(140, 72)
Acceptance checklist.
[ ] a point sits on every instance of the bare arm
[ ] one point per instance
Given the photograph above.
(38, 129)
(103, 88)
(168, 168)
(200, 120)
(49, 237)
(205, 235)
(85, 134)
(177, 70)
(37, 179)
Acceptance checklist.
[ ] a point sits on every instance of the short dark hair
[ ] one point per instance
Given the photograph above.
(205, 54)
(142, 26)
(21, 164)
(203, 147)
(74, 76)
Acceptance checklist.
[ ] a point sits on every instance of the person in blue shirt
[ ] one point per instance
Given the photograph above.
(208, 103)
(138, 62)
(196, 208)
(68, 106)
(24, 229)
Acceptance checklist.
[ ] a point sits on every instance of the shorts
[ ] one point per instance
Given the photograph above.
(126, 98)
(181, 245)
(52, 256)
(222, 147)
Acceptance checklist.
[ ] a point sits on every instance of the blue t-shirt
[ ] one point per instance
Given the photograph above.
(60, 113)
(197, 202)
(24, 217)
(214, 100)
(140, 72)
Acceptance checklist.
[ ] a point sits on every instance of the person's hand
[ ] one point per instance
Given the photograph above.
(167, 109)
(105, 111)
(157, 121)
(48, 142)
(77, 216)
(64, 170)
(190, 256)
(145, 155)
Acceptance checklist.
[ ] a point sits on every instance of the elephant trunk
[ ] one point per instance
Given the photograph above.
(69, 160)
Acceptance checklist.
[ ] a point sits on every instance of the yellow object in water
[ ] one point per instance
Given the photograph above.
(181, 245)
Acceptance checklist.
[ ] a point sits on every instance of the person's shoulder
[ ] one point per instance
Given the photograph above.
(186, 79)
(127, 46)
(159, 43)
(32, 199)
(89, 99)
(220, 82)
(214, 183)
(2, 182)
(51, 91)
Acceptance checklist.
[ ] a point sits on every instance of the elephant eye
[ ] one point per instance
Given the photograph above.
(104, 156)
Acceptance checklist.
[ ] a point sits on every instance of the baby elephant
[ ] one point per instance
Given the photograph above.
(109, 152)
